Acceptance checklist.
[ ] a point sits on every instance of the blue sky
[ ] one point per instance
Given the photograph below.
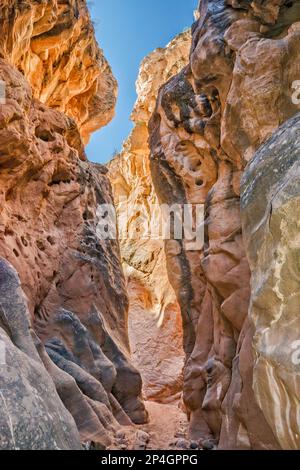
(128, 30)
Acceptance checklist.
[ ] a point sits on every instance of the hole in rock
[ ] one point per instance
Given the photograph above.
(24, 241)
(40, 245)
(16, 253)
(8, 231)
(199, 182)
(61, 175)
(44, 135)
(51, 240)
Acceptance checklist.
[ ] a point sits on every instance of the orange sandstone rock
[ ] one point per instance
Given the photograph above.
(155, 328)
(53, 44)
(67, 291)
(209, 121)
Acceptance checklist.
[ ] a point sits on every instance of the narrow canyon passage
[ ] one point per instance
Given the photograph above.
(201, 138)
(154, 316)
(167, 430)
(156, 344)
(135, 338)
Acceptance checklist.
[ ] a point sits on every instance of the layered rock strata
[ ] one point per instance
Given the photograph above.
(270, 213)
(63, 316)
(65, 374)
(53, 44)
(154, 317)
(208, 122)
(32, 414)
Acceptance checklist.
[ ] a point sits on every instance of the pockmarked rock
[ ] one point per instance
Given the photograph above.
(75, 344)
(53, 44)
(209, 121)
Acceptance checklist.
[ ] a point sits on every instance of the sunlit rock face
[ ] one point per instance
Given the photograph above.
(208, 122)
(155, 327)
(63, 316)
(53, 44)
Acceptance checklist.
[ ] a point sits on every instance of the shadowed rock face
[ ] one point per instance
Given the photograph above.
(32, 415)
(154, 319)
(65, 376)
(72, 288)
(270, 213)
(209, 121)
(53, 44)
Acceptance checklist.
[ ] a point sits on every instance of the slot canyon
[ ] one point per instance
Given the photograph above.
(138, 342)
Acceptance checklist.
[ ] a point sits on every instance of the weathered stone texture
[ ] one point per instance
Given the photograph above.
(155, 328)
(53, 44)
(209, 121)
(71, 278)
(270, 212)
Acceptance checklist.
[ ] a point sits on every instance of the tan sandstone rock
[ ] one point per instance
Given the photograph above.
(209, 121)
(32, 415)
(72, 278)
(155, 328)
(270, 212)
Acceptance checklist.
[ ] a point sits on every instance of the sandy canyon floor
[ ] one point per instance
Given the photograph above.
(167, 429)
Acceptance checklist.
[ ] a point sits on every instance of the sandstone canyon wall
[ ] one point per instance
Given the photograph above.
(155, 328)
(270, 210)
(209, 121)
(224, 135)
(52, 43)
(63, 309)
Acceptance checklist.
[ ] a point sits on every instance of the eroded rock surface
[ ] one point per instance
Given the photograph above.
(154, 317)
(53, 44)
(32, 415)
(65, 373)
(71, 278)
(270, 213)
(209, 121)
